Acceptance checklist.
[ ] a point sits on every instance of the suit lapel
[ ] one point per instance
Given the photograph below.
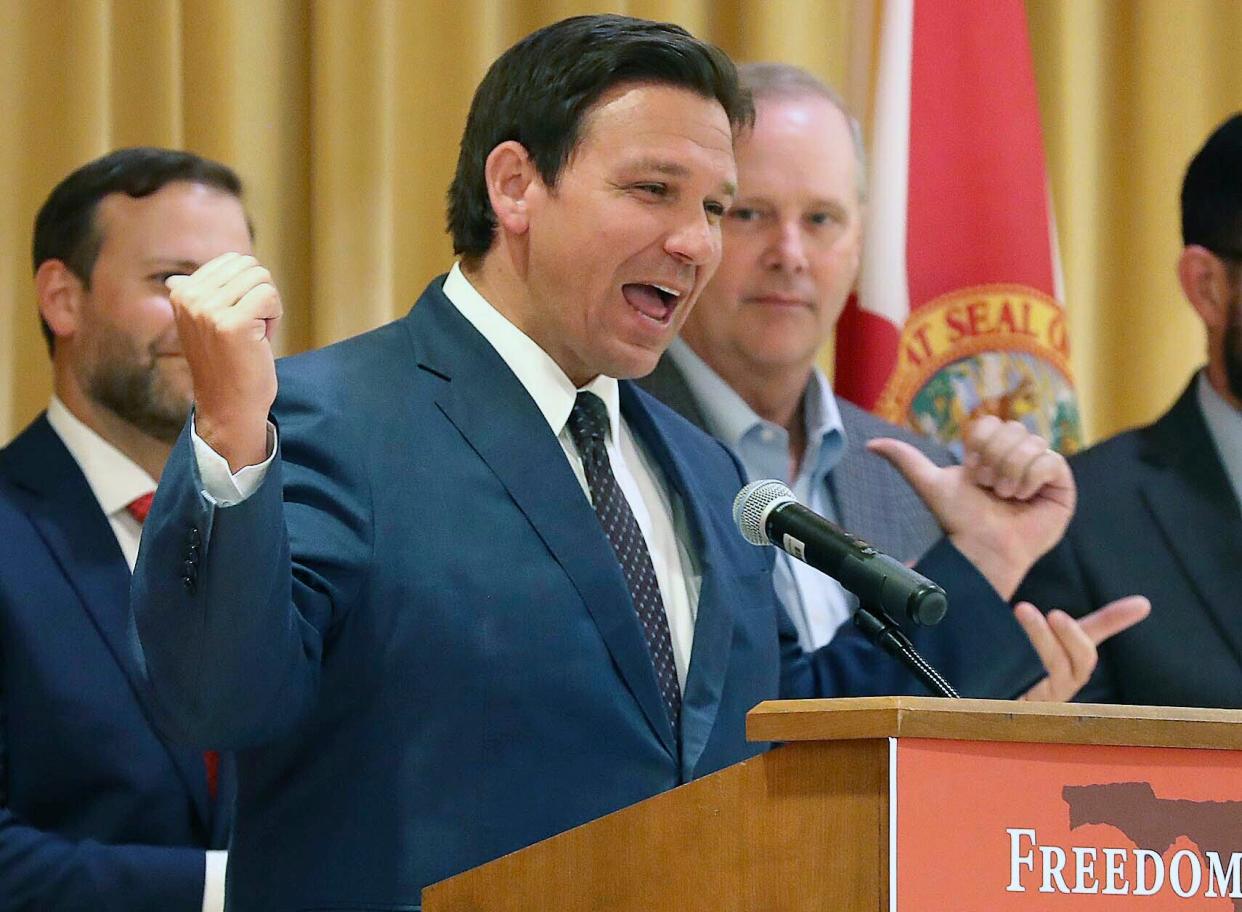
(868, 505)
(846, 485)
(874, 501)
(1194, 504)
(713, 626)
(668, 384)
(64, 511)
(492, 410)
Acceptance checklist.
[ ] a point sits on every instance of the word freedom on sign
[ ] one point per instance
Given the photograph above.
(1118, 871)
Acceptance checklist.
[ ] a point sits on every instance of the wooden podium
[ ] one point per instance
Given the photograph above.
(912, 804)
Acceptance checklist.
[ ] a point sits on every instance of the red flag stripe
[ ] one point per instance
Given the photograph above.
(978, 207)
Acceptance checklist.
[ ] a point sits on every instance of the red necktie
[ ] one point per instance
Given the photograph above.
(138, 508)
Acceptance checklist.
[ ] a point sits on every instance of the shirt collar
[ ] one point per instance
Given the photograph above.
(824, 428)
(730, 418)
(1224, 423)
(542, 378)
(727, 414)
(114, 478)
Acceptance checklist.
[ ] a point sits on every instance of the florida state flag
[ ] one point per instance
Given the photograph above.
(959, 307)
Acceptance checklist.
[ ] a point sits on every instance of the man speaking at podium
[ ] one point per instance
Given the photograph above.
(467, 590)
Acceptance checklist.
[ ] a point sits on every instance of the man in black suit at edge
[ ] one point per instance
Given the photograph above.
(1159, 508)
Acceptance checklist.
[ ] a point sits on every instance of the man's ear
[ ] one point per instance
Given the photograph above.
(59, 293)
(1205, 282)
(510, 175)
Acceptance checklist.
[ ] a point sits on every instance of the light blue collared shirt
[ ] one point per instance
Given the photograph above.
(1224, 423)
(816, 603)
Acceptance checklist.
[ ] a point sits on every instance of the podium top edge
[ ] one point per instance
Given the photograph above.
(855, 718)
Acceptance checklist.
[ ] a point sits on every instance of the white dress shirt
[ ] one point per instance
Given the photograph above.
(1224, 423)
(816, 603)
(659, 513)
(114, 478)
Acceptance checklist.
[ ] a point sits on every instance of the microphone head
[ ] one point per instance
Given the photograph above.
(754, 503)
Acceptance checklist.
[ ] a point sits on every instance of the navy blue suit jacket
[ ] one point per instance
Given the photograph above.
(418, 636)
(97, 811)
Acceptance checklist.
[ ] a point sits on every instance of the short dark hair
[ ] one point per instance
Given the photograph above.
(65, 228)
(1212, 193)
(538, 91)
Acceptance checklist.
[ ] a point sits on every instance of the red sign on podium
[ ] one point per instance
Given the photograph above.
(991, 827)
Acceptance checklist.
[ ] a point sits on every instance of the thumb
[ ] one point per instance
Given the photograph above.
(921, 472)
(1115, 617)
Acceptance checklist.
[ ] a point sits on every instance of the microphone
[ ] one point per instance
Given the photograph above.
(767, 514)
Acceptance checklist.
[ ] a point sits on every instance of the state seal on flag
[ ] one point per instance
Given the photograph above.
(998, 350)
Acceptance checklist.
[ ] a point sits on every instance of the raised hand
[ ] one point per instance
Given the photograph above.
(226, 313)
(1004, 507)
(1068, 647)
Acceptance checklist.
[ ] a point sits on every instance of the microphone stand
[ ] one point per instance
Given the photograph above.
(888, 635)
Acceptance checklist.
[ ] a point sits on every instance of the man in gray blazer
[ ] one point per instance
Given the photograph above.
(744, 368)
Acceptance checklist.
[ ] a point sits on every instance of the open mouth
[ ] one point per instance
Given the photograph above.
(654, 301)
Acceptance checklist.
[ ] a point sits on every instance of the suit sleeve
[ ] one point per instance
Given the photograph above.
(979, 647)
(44, 871)
(231, 606)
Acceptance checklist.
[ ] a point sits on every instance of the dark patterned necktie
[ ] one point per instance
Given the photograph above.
(588, 425)
(139, 508)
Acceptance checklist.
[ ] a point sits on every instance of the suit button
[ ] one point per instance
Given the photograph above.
(193, 554)
(191, 568)
(189, 582)
(195, 538)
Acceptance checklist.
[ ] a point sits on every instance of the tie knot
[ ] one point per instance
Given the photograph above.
(139, 507)
(589, 420)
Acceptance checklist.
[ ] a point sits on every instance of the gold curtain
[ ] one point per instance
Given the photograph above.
(342, 117)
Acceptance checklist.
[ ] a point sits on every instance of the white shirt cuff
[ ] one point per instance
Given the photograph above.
(222, 487)
(213, 882)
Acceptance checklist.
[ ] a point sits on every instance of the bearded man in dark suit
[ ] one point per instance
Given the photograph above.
(1160, 504)
(98, 810)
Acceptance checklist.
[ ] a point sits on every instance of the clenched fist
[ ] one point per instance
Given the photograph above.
(226, 313)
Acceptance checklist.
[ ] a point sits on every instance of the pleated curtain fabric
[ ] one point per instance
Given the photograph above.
(343, 118)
